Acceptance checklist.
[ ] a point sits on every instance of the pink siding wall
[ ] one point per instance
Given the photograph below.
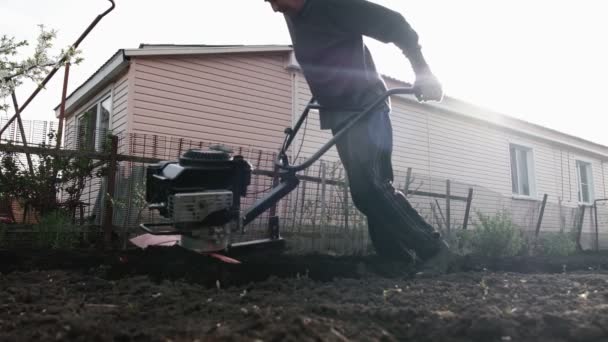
(120, 105)
(240, 100)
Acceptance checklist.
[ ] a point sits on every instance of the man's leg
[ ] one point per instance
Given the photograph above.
(395, 226)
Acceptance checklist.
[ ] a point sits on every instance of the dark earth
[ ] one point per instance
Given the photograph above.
(169, 294)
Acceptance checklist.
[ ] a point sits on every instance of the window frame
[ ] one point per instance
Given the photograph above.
(590, 185)
(96, 104)
(531, 174)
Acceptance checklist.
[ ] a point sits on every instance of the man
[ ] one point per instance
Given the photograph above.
(328, 43)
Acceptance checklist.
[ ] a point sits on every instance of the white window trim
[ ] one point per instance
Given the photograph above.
(531, 171)
(98, 123)
(111, 117)
(97, 102)
(78, 117)
(578, 181)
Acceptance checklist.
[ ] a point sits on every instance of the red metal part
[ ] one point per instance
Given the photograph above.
(224, 258)
(64, 93)
(147, 240)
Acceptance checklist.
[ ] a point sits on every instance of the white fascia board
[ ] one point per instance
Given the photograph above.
(160, 51)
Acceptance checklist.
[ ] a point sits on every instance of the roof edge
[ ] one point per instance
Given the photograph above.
(112, 67)
(162, 50)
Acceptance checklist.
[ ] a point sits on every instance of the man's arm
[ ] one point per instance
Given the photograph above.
(378, 22)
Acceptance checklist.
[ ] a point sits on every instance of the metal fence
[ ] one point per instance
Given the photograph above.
(319, 215)
(36, 131)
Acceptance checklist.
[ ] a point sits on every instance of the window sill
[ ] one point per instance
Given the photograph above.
(525, 198)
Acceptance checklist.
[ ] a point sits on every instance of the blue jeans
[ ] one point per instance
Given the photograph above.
(395, 227)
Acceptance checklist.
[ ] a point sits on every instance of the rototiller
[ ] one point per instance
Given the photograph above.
(200, 194)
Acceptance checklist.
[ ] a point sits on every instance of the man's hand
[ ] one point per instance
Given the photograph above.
(428, 88)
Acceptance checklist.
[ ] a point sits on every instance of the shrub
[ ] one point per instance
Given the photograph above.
(56, 231)
(495, 236)
(557, 244)
(460, 241)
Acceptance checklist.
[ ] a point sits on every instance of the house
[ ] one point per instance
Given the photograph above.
(247, 95)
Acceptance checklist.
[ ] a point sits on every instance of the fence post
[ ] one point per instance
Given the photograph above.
(439, 218)
(579, 228)
(109, 212)
(562, 220)
(467, 211)
(408, 179)
(154, 146)
(323, 202)
(345, 194)
(302, 202)
(275, 183)
(447, 204)
(180, 146)
(540, 216)
(316, 202)
(331, 217)
(597, 230)
(273, 220)
(127, 211)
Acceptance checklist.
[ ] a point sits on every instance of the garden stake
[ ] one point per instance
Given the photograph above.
(540, 217)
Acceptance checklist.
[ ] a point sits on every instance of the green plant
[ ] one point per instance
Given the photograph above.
(460, 241)
(557, 244)
(37, 188)
(496, 236)
(51, 174)
(56, 231)
(132, 200)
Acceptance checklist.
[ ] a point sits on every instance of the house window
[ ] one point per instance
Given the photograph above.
(585, 182)
(522, 170)
(93, 125)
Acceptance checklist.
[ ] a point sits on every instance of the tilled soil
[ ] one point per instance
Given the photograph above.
(137, 297)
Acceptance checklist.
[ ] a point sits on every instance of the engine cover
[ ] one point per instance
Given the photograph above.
(197, 206)
(202, 189)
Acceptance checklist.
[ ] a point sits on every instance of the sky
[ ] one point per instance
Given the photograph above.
(543, 61)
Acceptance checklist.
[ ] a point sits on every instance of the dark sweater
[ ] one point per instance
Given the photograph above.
(328, 44)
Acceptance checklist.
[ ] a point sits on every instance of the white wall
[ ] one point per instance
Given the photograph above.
(439, 145)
